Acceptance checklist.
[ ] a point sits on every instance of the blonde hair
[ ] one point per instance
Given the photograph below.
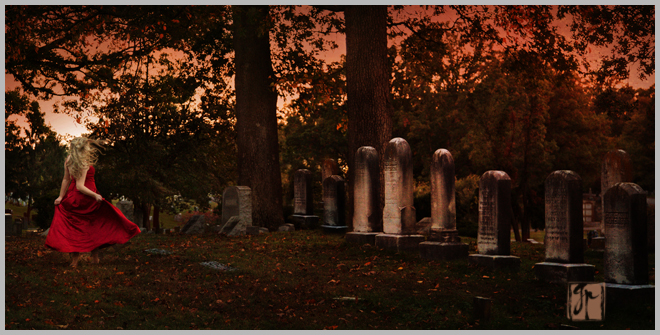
(83, 152)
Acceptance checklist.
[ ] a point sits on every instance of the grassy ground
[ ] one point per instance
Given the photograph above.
(299, 280)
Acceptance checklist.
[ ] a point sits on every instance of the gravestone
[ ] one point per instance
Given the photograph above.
(564, 245)
(9, 225)
(126, 208)
(303, 201)
(626, 252)
(367, 214)
(495, 215)
(616, 168)
(236, 202)
(195, 225)
(399, 225)
(444, 243)
(334, 205)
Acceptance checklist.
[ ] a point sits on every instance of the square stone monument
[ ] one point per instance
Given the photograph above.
(626, 252)
(444, 243)
(399, 224)
(367, 214)
(495, 215)
(334, 205)
(303, 201)
(236, 202)
(564, 246)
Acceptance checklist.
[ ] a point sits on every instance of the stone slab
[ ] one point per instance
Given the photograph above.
(620, 296)
(287, 227)
(330, 229)
(255, 230)
(361, 238)
(399, 242)
(551, 272)
(442, 250)
(495, 262)
(304, 221)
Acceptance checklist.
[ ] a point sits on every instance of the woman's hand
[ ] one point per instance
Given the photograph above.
(98, 197)
(58, 201)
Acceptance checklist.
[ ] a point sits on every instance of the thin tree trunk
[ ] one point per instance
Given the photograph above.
(368, 88)
(256, 118)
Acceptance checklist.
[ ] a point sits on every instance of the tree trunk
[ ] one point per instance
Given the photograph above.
(156, 220)
(368, 87)
(146, 208)
(256, 118)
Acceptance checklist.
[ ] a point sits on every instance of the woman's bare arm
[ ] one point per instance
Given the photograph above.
(80, 186)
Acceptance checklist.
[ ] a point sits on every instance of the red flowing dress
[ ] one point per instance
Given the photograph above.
(81, 224)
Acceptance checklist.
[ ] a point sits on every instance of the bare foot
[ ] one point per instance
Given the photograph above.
(75, 257)
(95, 257)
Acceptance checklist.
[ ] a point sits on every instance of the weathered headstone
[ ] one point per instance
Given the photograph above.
(399, 228)
(495, 215)
(564, 246)
(444, 242)
(236, 202)
(626, 253)
(616, 168)
(334, 205)
(9, 225)
(303, 202)
(367, 214)
(126, 208)
(195, 225)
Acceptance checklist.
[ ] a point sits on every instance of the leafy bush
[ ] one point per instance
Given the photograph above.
(467, 205)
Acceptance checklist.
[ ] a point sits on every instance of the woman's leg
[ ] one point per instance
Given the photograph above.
(75, 257)
(95, 256)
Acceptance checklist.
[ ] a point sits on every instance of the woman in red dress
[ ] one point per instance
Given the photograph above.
(84, 221)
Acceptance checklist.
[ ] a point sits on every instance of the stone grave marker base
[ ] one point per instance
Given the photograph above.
(495, 262)
(301, 221)
(550, 272)
(620, 296)
(256, 230)
(399, 242)
(443, 250)
(360, 238)
(329, 229)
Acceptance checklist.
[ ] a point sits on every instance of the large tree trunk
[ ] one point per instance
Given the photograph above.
(256, 119)
(367, 86)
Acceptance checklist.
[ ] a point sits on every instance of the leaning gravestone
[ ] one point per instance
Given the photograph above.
(399, 228)
(236, 202)
(616, 168)
(626, 252)
(195, 225)
(367, 214)
(444, 243)
(126, 208)
(303, 202)
(564, 245)
(334, 205)
(495, 215)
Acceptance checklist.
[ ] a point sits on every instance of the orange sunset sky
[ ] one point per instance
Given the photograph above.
(66, 125)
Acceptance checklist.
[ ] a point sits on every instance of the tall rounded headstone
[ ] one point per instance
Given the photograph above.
(444, 243)
(495, 215)
(443, 198)
(564, 245)
(367, 214)
(334, 205)
(302, 192)
(303, 201)
(399, 226)
(563, 218)
(626, 252)
(399, 212)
